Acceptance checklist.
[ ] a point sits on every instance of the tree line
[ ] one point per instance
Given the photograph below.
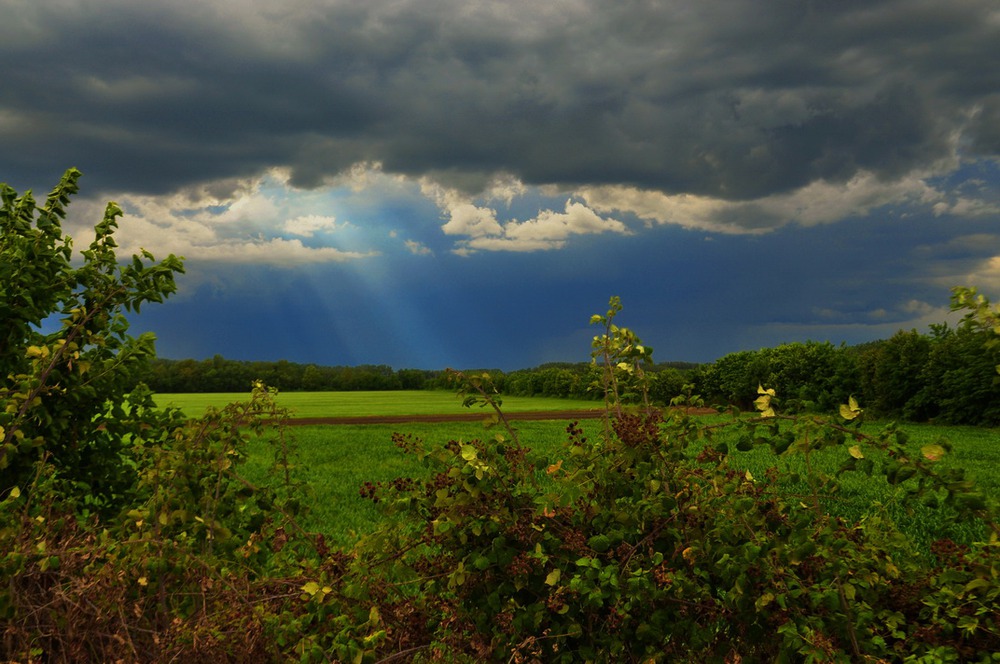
(578, 380)
(945, 375)
(219, 374)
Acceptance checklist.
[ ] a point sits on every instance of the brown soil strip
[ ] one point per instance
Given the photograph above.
(567, 415)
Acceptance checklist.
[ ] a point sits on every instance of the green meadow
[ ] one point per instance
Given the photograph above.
(334, 461)
(350, 404)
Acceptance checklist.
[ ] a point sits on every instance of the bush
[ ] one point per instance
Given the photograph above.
(65, 395)
(126, 532)
(627, 549)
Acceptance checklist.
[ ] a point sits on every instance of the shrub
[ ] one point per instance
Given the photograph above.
(626, 548)
(65, 394)
(126, 532)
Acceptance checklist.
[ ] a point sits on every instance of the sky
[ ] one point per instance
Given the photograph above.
(463, 183)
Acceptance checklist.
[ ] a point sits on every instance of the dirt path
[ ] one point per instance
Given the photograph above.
(567, 415)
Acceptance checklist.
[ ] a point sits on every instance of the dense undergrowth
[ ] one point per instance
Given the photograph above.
(130, 533)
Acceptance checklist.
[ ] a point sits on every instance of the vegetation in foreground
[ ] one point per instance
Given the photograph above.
(335, 461)
(130, 532)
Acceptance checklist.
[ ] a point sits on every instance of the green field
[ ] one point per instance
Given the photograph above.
(334, 461)
(350, 404)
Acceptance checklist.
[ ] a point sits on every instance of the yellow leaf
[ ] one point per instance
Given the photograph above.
(689, 554)
(553, 577)
(847, 413)
(764, 600)
(770, 392)
(143, 581)
(310, 588)
(853, 403)
(855, 451)
(15, 492)
(749, 476)
(932, 452)
(763, 404)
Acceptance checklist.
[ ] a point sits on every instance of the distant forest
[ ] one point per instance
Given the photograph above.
(559, 379)
(948, 375)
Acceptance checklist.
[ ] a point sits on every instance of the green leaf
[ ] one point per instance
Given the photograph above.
(972, 501)
(968, 624)
(976, 584)
(599, 543)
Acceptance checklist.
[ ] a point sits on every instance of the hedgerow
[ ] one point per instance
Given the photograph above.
(640, 543)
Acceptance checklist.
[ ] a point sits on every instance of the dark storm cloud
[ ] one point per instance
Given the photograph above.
(726, 98)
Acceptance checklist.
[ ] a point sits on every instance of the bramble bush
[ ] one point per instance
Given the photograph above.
(639, 543)
(629, 547)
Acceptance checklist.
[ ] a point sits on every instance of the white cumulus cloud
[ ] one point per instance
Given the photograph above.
(309, 225)
(234, 222)
(820, 202)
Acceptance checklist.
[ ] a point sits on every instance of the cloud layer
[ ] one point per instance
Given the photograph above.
(715, 98)
(843, 154)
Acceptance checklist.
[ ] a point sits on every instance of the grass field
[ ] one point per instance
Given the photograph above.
(349, 404)
(336, 460)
